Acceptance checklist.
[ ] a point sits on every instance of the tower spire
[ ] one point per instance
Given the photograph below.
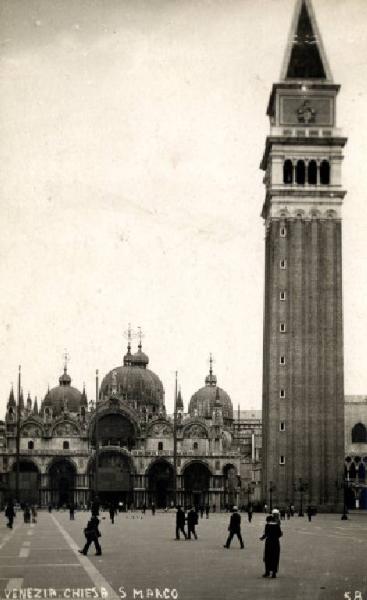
(305, 57)
(127, 357)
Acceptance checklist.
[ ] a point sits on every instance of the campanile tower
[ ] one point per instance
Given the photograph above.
(303, 388)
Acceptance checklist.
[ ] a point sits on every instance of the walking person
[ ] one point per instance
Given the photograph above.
(249, 512)
(72, 511)
(207, 510)
(309, 513)
(234, 528)
(34, 514)
(201, 511)
(153, 508)
(10, 514)
(180, 523)
(112, 511)
(192, 521)
(271, 536)
(26, 514)
(92, 534)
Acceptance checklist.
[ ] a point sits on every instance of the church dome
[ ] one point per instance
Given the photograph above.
(134, 383)
(64, 396)
(206, 398)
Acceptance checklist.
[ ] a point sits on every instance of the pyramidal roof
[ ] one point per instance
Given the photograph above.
(305, 57)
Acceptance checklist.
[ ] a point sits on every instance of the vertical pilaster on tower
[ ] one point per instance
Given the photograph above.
(303, 387)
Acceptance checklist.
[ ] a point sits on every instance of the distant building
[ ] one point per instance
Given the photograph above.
(57, 458)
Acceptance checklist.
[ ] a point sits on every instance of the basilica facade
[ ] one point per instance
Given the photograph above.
(144, 456)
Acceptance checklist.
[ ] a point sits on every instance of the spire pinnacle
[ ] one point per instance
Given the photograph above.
(66, 358)
(305, 57)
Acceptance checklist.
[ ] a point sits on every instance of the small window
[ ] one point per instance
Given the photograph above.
(312, 172)
(160, 445)
(217, 465)
(283, 232)
(282, 393)
(282, 460)
(30, 445)
(282, 426)
(66, 445)
(325, 172)
(288, 172)
(301, 172)
(283, 263)
(195, 445)
(282, 360)
(282, 327)
(282, 296)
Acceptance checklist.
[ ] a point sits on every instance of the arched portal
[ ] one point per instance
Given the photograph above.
(160, 484)
(115, 478)
(196, 478)
(115, 429)
(29, 482)
(62, 474)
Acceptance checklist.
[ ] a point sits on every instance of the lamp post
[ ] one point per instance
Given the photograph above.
(343, 484)
(96, 440)
(175, 444)
(17, 441)
(301, 488)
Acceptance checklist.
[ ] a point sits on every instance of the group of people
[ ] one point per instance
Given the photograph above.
(29, 513)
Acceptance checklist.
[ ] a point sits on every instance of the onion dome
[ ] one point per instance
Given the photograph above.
(134, 383)
(63, 397)
(206, 398)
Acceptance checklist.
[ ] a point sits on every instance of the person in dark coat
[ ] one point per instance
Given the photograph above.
(309, 513)
(10, 514)
(27, 514)
(153, 508)
(92, 534)
(34, 514)
(249, 512)
(72, 511)
(234, 528)
(207, 510)
(192, 521)
(180, 523)
(271, 536)
(201, 511)
(112, 511)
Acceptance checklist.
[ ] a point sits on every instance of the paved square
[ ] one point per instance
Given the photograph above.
(320, 560)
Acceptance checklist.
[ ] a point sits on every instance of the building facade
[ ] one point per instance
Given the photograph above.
(137, 459)
(303, 393)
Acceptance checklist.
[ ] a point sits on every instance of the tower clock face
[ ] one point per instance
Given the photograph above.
(313, 110)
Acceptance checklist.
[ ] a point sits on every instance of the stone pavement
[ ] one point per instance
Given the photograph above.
(320, 560)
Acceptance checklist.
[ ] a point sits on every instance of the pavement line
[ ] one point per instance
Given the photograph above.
(26, 543)
(33, 565)
(32, 524)
(30, 532)
(14, 584)
(8, 536)
(24, 552)
(97, 577)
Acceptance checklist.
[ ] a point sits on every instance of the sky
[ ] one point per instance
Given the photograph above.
(130, 142)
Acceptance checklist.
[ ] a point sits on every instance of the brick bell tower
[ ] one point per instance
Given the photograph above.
(303, 387)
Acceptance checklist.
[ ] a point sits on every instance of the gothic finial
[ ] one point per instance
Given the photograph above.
(66, 358)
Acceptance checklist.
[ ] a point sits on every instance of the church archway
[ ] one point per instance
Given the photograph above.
(29, 482)
(62, 476)
(160, 484)
(115, 429)
(115, 477)
(196, 478)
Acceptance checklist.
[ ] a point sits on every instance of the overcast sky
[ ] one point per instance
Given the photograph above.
(131, 137)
